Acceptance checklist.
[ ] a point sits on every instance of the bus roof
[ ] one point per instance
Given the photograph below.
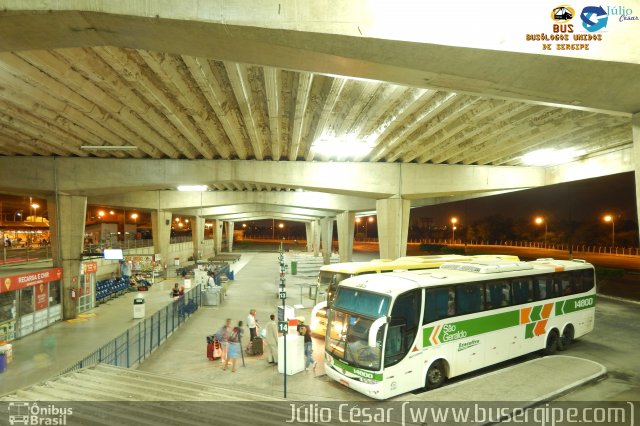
(408, 263)
(460, 272)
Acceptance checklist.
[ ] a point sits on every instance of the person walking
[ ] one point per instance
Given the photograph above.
(308, 348)
(235, 350)
(271, 338)
(223, 337)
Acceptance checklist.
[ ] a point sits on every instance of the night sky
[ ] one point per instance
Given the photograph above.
(583, 200)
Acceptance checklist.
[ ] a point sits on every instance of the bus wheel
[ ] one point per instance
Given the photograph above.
(435, 376)
(567, 337)
(552, 343)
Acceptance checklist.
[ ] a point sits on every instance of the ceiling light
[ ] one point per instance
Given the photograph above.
(193, 188)
(347, 146)
(109, 147)
(551, 156)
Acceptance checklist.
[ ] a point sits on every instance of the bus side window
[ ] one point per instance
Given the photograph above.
(497, 294)
(543, 286)
(564, 286)
(522, 289)
(438, 302)
(582, 280)
(469, 298)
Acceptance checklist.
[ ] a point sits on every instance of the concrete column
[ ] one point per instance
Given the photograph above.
(308, 229)
(635, 124)
(218, 224)
(197, 236)
(345, 235)
(326, 231)
(230, 228)
(161, 231)
(67, 220)
(393, 226)
(316, 238)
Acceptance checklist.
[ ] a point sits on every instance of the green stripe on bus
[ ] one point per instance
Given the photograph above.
(473, 327)
(576, 304)
(535, 313)
(528, 331)
(357, 371)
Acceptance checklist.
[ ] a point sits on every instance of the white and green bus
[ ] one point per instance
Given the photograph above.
(393, 333)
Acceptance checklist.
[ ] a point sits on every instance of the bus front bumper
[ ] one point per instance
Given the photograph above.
(372, 390)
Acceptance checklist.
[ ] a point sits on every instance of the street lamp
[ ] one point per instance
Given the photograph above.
(609, 218)
(539, 221)
(454, 220)
(281, 226)
(35, 210)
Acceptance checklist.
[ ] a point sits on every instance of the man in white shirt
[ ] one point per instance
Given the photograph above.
(252, 323)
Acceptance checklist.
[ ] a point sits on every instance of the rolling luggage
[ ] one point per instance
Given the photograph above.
(257, 346)
(214, 349)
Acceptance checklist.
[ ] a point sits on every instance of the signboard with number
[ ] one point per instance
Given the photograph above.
(282, 295)
(283, 326)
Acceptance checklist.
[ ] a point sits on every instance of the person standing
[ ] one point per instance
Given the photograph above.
(271, 338)
(252, 323)
(308, 349)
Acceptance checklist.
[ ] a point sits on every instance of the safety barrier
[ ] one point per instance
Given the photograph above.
(133, 346)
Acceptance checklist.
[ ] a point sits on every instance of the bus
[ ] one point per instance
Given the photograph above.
(331, 275)
(393, 333)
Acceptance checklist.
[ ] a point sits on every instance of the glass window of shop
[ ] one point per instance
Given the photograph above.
(54, 293)
(26, 301)
(8, 306)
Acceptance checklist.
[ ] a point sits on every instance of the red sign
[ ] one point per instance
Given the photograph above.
(42, 296)
(90, 267)
(30, 279)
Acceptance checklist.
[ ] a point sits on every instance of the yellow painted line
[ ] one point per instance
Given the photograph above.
(86, 315)
(75, 320)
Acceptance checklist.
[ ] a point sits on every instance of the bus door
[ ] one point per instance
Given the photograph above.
(500, 342)
(402, 344)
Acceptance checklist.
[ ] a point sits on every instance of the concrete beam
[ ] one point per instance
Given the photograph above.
(621, 161)
(366, 39)
(254, 208)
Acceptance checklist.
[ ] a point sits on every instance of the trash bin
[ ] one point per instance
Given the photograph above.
(294, 267)
(7, 348)
(138, 306)
(3, 362)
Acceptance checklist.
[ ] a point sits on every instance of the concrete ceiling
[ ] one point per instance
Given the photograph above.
(150, 85)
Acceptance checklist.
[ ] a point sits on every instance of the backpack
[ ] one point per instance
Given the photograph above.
(234, 337)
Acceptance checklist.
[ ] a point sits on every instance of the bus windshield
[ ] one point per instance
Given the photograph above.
(348, 332)
(348, 340)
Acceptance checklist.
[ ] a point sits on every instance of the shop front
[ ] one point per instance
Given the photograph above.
(29, 302)
(87, 288)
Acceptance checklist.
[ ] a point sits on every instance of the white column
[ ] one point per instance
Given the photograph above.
(393, 226)
(345, 235)
(230, 227)
(197, 236)
(67, 220)
(161, 231)
(218, 224)
(635, 124)
(316, 238)
(326, 239)
(308, 229)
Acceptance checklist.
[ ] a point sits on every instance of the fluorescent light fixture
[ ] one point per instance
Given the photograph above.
(346, 146)
(193, 188)
(109, 147)
(551, 156)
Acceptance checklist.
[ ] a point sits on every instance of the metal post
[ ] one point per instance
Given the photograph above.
(127, 349)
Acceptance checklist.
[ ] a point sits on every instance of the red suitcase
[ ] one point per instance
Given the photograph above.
(214, 351)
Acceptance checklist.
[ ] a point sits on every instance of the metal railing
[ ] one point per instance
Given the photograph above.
(136, 344)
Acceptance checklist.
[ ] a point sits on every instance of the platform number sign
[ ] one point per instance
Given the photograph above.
(283, 326)
(282, 295)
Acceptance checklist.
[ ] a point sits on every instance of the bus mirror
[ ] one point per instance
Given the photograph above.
(373, 331)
